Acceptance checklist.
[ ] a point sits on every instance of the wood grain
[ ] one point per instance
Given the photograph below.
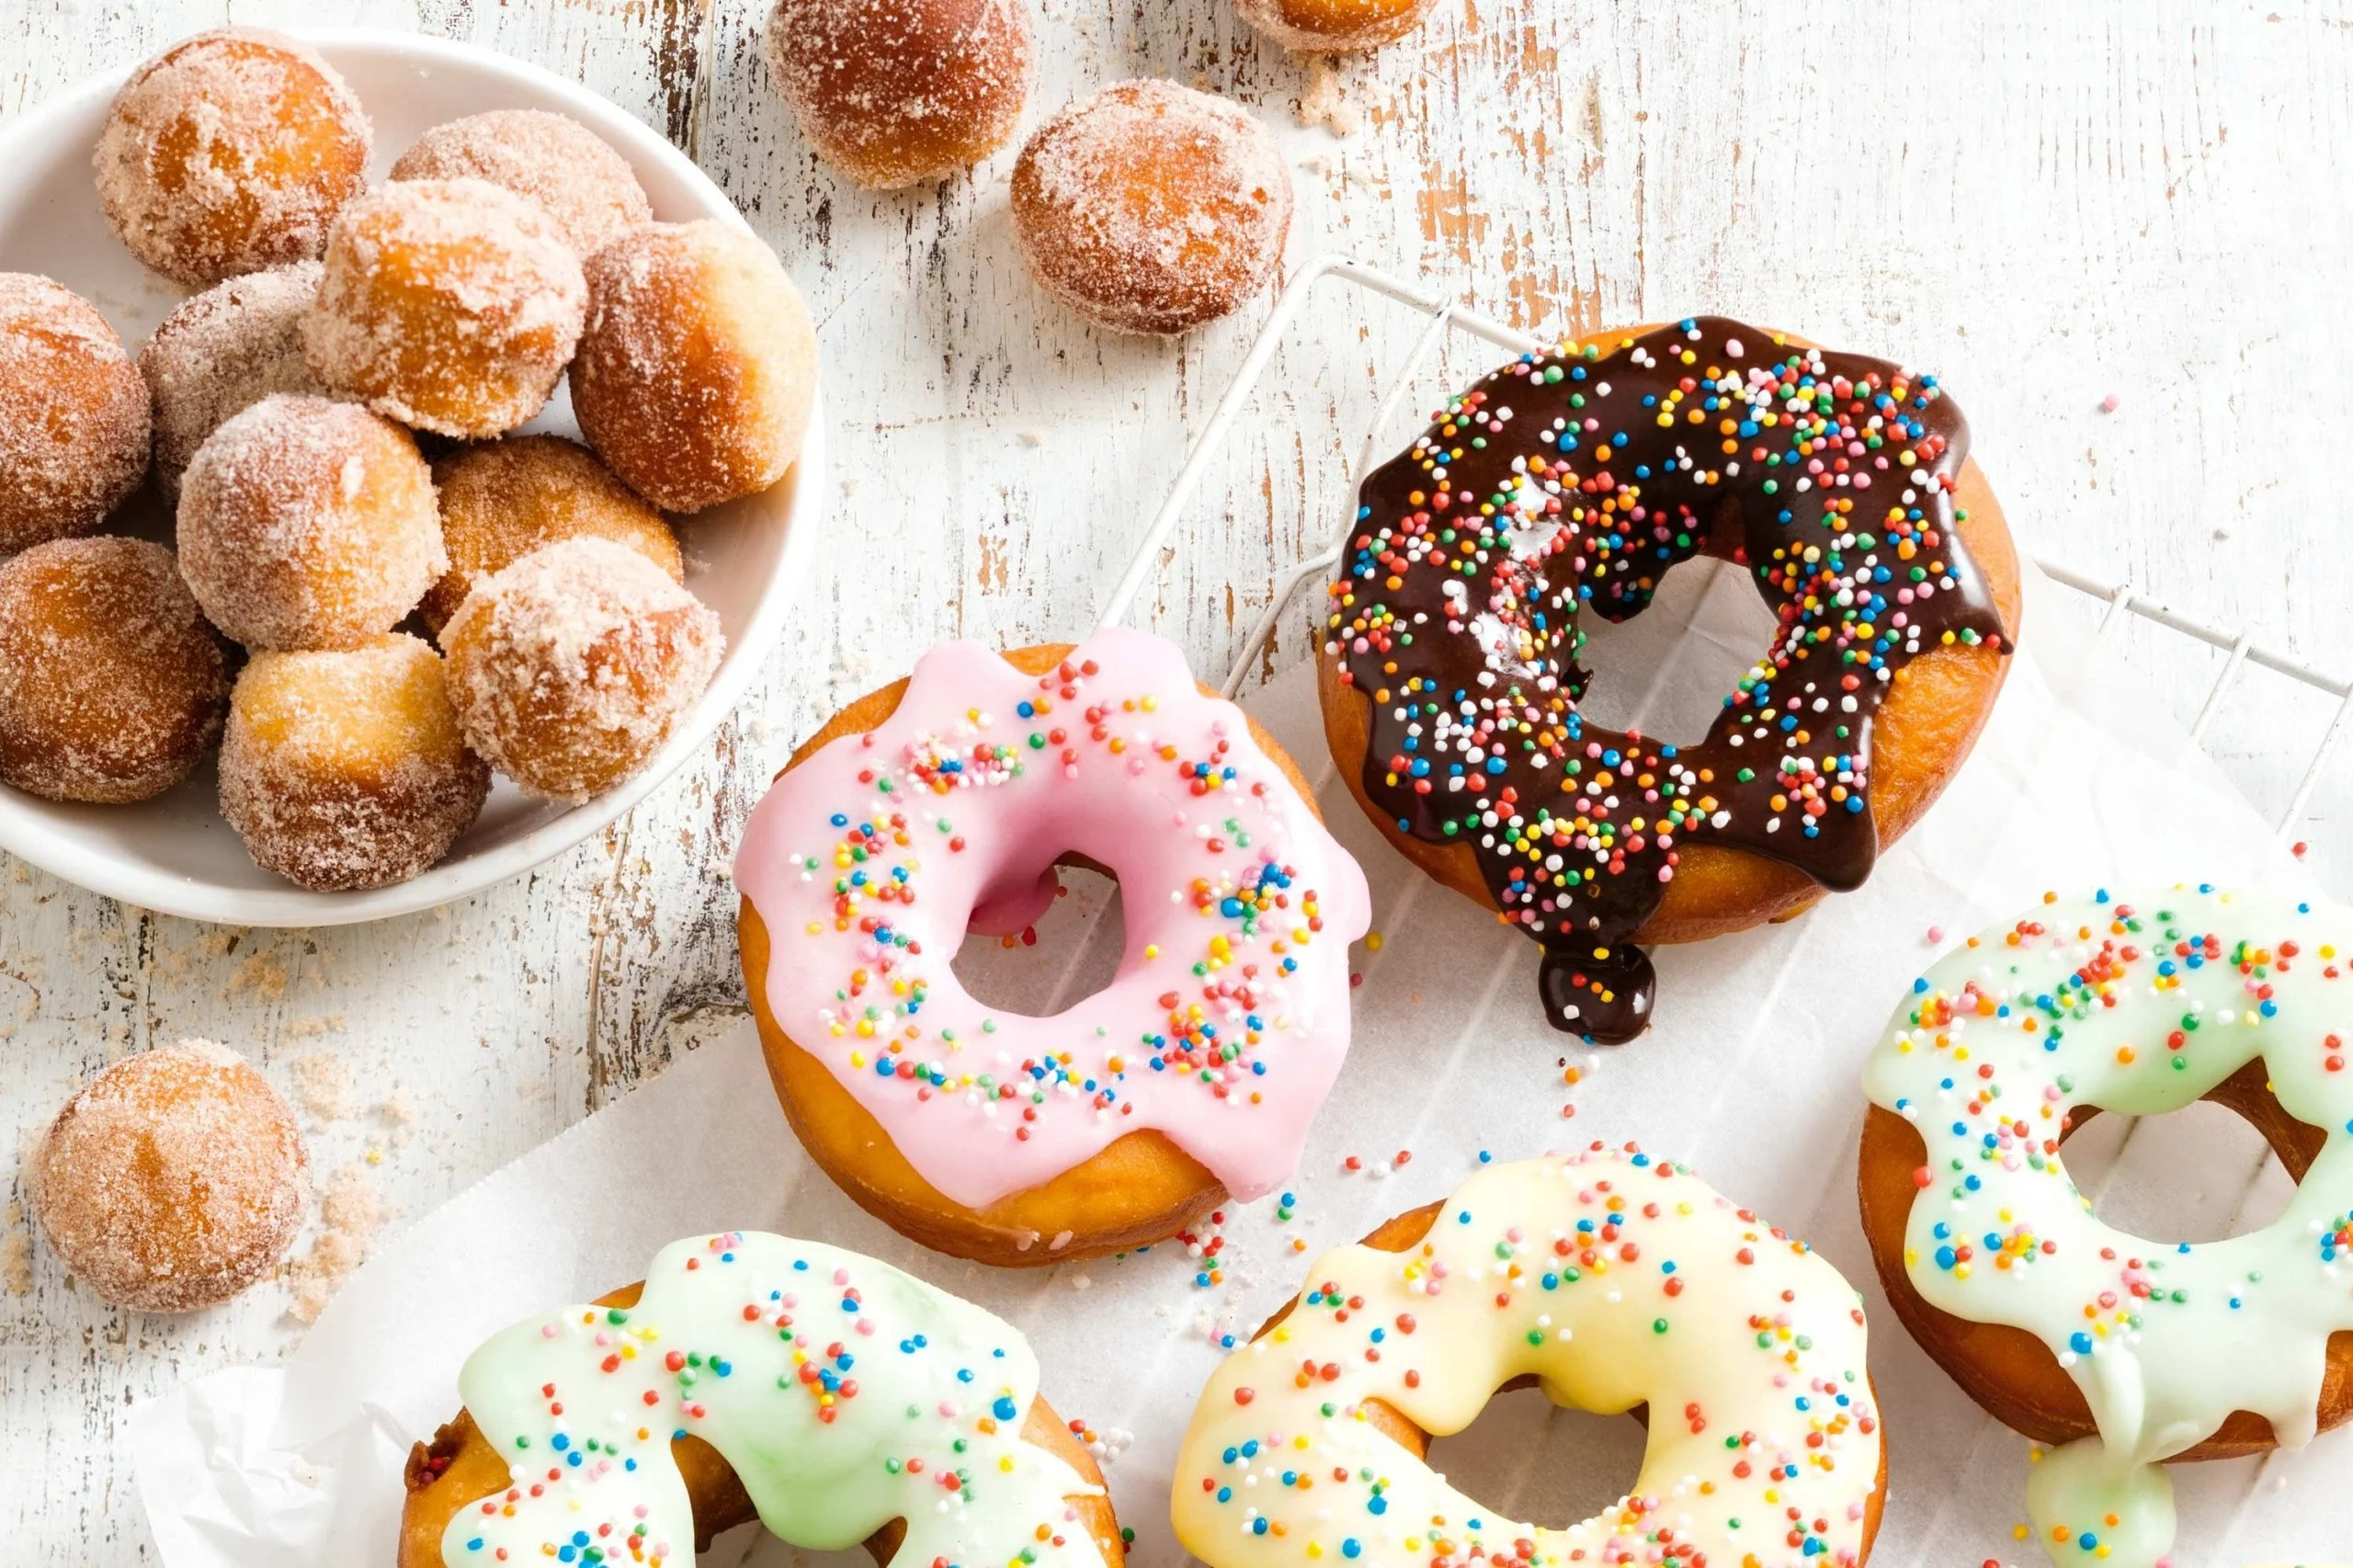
(2047, 204)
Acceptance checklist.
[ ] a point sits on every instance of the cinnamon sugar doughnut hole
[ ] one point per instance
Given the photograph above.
(698, 367)
(228, 152)
(588, 189)
(570, 667)
(112, 687)
(1325, 26)
(1150, 208)
(450, 305)
(346, 769)
(309, 524)
(220, 353)
(896, 92)
(504, 499)
(172, 1180)
(73, 414)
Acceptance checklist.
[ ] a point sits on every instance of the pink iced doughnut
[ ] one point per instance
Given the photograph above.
(943, 804)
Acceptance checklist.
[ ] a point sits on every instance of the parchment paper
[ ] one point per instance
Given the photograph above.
(1750, 1073)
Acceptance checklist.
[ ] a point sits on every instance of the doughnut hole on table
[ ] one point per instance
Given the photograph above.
(2008, 1371)
(1139, 1189)
(460, 1468)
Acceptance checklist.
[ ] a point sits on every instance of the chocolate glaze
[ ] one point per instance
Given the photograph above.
(1573, 481)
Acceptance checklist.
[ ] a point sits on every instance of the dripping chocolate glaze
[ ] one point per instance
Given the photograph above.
(1571, 482)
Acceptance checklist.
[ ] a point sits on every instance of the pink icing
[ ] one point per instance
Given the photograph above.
(1226, 1022)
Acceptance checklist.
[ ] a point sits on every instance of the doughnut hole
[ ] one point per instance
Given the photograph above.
(571, 667)
(586, 188)
(895, 92)
(1325, 26)
(1150, 208)
(228, 153)
(172, 1180)
(73, 415)
(111, 684)
(451, 305)
(503, 500)
(698, 366)
(220, 353)
(346, 769)
(309, 524)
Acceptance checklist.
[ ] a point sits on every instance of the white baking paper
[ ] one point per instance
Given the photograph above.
(1750, 1073)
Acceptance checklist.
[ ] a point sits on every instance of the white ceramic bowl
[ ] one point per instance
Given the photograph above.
(175, 853)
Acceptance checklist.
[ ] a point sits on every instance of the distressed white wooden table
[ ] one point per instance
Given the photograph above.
(2047, 204)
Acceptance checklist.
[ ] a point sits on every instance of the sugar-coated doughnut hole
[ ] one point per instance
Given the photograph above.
(228, 152)
(346, 769)
(897, 91)
(1152, 207)
(588, 189)
(504, 499)
(571, 667)
(1333, 25)
(73, 414)
(698, 365)
(111, 684)
(309, 524)
(222, 351)
(451, 305)
(172, 1180)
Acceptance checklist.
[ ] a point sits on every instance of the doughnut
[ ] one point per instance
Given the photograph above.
(1325, 26)
(587, 189)
(698, 369)
(1614, 1281)
(74, 414)
(451, 305)
(2122, 1351)
(504, 499)
(1150, 208)
(111, 684)
(946, 801)
(896, 92)
(220, 353)
(228, 153)
(833, 1397)
(1449, 676)
(571, 667)
(309, 524)
(172, 1180)
(345, 769)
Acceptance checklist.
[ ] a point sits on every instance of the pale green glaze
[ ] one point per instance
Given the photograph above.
(2138, 1005)
(845, 1393)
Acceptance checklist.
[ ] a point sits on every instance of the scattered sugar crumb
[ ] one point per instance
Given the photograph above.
(322, 1085)
(849, 484)
(399, 1110)
(1082, 1282)
(349, 1216)
(312, 1028)
(16, 1252)
(1325, 104)
(1033, 438)
(261, 973)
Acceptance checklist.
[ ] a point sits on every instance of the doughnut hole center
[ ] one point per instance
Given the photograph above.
(1668, 671)
(1530, 1459)
(1054, 959)
(2200, 1174)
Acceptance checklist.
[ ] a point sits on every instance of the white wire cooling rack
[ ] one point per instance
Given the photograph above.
(1444, 315)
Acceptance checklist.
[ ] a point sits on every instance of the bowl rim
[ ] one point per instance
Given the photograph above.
(24, 833)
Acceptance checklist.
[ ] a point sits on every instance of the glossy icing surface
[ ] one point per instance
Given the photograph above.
(844, 1392)
(1227, 1020)
(2138, 1005)
(1570, 482)
(1616, 1280)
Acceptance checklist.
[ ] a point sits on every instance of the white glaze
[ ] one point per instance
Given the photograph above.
(2095, 1002)
(584, 1401)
